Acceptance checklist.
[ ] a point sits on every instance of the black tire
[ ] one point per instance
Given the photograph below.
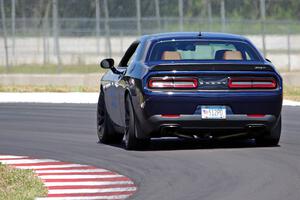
(105, 131)
(272, 138)
(130, 140)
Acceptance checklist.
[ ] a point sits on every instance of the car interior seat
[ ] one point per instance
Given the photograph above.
(171, 55)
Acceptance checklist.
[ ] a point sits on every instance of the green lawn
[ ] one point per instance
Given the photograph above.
(292, 93)
(51, 69)
(16, 184)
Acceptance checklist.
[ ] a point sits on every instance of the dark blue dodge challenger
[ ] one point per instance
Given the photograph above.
(195, 85)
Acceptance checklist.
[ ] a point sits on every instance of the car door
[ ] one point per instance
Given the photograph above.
(111, 95)
(120, 84)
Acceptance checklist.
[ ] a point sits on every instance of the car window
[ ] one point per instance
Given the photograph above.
(131, 58)
(202, 50)
(129, 55)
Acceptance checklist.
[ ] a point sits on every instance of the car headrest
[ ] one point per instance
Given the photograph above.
(232, 55)
(171, 55)
(220, 54)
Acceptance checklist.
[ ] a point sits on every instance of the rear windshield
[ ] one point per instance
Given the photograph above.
(202, 50)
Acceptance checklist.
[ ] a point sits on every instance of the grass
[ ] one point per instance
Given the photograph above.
(292, 93)
(16, 184)
(51, 69)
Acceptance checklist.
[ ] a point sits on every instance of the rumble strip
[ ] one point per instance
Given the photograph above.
(71, 181)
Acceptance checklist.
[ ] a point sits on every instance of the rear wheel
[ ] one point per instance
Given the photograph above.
(130, 139)
(272, 138)
(105, 130)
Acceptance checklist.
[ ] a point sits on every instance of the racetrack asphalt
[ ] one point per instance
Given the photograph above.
(170, 169)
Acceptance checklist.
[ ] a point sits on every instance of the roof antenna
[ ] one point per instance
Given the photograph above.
(200, 34)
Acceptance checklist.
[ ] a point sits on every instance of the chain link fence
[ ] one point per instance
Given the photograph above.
(76, 32)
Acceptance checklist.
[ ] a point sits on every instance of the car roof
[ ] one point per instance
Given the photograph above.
(194, 35)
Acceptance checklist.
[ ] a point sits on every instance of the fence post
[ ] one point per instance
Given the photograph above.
(138, 17)
(180, 11)
(97, 25)
(46, 34)
(157, 13)
(13, 26)
(121, 42)
(56, 34)
(223, 19)
(209, 13)
(24, 25)
(263, 18)
(4, 34)
(107, 29)
(289, 49)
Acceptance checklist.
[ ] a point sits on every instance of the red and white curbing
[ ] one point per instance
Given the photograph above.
(68, 181)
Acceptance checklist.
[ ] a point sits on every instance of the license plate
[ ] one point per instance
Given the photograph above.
(213, 112)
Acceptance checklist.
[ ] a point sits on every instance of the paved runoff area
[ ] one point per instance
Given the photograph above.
(68, 181)
(69, 97)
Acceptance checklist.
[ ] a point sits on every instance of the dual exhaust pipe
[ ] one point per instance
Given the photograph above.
(175, 130)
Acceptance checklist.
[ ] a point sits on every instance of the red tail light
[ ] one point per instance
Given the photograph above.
(252, 83)
(173, 82)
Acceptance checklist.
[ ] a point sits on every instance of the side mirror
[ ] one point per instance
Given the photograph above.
(107, 63)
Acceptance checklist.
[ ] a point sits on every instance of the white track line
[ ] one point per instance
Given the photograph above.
(70, 171)
(291, 103)
(78, 176)
(85, 191)
(115, 197)
(88, 183)
(49, 97)
(11, 157)
(26, 161)
(50, 166)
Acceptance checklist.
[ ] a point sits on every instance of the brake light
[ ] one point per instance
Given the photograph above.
(252, 83)
(173, 82)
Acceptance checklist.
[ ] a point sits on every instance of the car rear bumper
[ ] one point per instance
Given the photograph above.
(158, 125)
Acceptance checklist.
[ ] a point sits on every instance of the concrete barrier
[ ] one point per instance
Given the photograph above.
(291, 78)
(88, 80)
